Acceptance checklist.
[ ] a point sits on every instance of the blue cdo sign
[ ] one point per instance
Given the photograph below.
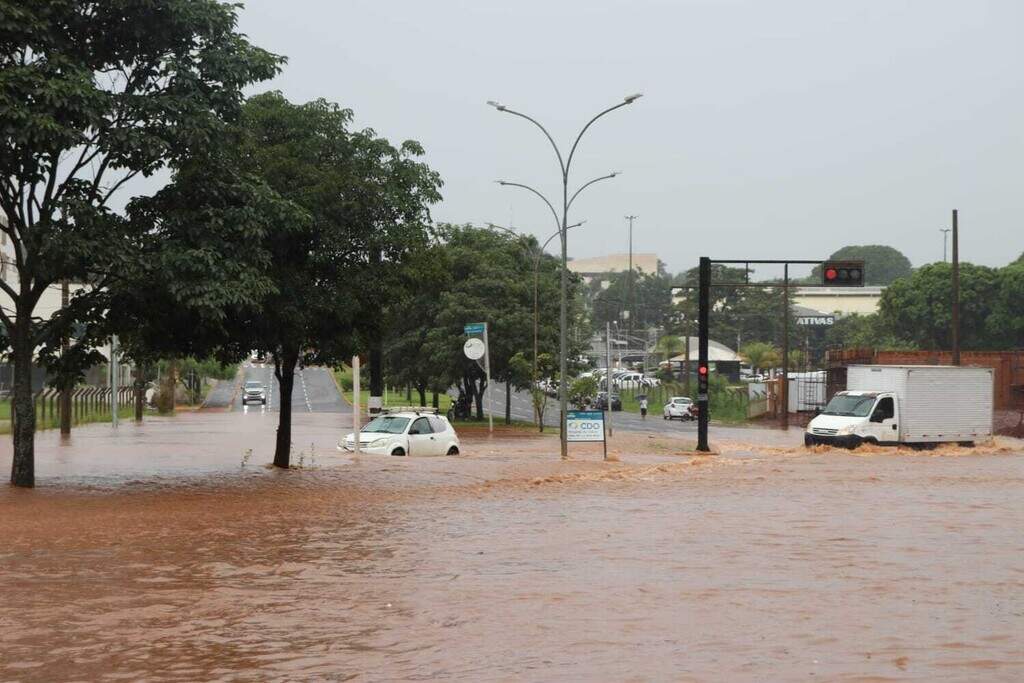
(584, 425)
(474, 328)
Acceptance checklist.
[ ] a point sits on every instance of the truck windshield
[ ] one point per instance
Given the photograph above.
(850, 406)
(386, 424)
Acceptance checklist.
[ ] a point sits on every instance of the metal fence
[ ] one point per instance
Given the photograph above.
(88, 404)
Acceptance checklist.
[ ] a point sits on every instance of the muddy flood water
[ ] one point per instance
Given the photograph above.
(156, 554)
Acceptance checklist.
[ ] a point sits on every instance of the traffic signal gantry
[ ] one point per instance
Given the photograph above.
(842, 274)
(833, 274)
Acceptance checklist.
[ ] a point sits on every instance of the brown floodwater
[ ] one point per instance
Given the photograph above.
(155, 554)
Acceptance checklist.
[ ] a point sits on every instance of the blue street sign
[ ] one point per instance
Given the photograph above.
(474, 328)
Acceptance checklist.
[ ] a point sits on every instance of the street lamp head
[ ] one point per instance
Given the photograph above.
(501, 182)
(633, 98)
(496, 105)
(614, 173)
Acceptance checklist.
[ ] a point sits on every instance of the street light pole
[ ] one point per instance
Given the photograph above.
(945, 242)
(563, 224)
(631, 301)
(536, 278)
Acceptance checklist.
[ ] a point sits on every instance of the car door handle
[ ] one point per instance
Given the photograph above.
(894, 427)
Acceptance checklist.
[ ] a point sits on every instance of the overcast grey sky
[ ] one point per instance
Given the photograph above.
(767, 129)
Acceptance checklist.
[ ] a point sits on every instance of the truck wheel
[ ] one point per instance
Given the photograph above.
(453, 451)
(809, 441)
(965, 444)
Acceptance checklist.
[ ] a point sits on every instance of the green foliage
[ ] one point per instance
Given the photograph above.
(651, 301)
(760, 355)
(917, 309)
(583, 390)
(882, 264)
(747, 313)
(363, 212)
(485, 277)
(670, 346)
(1005, 323)
(727, 404)
(865, 331)
(93, 94)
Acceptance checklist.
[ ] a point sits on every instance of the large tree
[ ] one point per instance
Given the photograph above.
(366, 211)
(918, 309)
(491, 279)
(882, 264)
(93, 94)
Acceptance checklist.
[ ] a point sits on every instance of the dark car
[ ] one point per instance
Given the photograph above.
(602, 401)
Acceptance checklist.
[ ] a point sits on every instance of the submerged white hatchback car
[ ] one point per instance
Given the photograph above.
(405, 432)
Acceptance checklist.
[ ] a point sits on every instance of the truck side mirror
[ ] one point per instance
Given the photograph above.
(877, 416)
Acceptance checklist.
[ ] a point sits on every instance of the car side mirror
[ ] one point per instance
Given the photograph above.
(877, 416)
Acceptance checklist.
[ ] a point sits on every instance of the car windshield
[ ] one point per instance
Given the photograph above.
(387, 424)
(253, 385)
(850, 406)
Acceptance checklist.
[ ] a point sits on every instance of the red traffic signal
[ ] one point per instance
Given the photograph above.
(842, 273)
(703, 369)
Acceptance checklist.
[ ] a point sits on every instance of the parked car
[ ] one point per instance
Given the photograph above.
(634, 380)
(254, 392)
(405, 431)
(602, 401)
(679, 408)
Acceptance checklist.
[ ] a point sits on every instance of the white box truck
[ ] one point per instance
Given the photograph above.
(911, 404)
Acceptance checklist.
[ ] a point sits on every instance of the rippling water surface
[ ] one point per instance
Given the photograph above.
(507, 564)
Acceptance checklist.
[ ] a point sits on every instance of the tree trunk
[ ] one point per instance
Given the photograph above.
(434, 400)
(408, 393)
(422, 391)
(377, 367)
(140, 391)
(508, 403)
(284, 370)
(66, 386)
(479, 391)
(23, 412)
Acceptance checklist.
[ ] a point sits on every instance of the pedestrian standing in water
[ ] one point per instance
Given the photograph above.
(643, 407)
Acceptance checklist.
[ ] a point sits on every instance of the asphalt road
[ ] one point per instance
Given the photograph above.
(314, 391)
(522, 409)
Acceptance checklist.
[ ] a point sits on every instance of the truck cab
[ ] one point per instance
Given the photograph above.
(855, 417)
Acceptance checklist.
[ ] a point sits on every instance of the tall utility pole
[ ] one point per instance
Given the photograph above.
(562, 221)
(784, 386)
(945, 243)
(629, 296)
(956, 290)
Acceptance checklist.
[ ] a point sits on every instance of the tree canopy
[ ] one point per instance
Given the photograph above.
(366, 207)
(882, 264)
(91, 96)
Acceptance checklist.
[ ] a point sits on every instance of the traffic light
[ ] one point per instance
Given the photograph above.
(842, 273)
(702, 379)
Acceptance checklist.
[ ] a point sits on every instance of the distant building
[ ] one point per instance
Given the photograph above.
(600, 267)
(839, 300)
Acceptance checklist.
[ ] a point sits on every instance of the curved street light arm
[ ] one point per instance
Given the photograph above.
(540, 252)
(572, 152)
(586, 185)
(543, 198)
(558, 152)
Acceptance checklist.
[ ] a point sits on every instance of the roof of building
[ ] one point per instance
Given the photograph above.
(716, 352)
(615, 263)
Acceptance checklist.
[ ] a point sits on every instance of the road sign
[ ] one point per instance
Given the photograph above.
(584, 425)
(816, 320)
(474, 348)
(474, 328)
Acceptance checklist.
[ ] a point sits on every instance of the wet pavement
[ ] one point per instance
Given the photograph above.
(168, 552)
(314, 392)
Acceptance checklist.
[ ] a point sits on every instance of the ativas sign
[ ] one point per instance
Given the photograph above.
(816, 320)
